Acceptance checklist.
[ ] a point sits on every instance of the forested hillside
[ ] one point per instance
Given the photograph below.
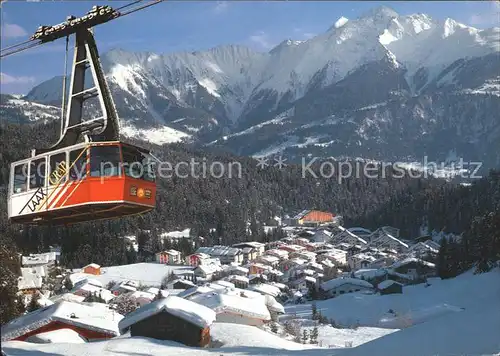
(226, 205)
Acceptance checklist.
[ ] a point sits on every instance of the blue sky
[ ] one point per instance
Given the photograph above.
(194, 25)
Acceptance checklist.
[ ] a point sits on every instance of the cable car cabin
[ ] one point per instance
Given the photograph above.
(87, 181)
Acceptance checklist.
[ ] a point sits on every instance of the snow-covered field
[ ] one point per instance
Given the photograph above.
(149, 274)
(417, 304)
(331, 337)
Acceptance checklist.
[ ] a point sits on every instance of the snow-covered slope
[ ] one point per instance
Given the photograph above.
(418, 304)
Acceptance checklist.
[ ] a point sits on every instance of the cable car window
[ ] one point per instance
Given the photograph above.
(104, 161)
(78, 164)
(20, 178)
(137, 164)
(58, 169)
(37, 173)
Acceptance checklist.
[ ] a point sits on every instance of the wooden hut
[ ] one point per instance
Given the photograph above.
(171, 318)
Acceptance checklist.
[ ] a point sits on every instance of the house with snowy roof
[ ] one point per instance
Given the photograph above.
(423, 248)
(259, 247)
(90, 322)
(339, 286)
(123, 287)
(264, 288)
(415, 268)
(281, 254)
(236, 307)
(225, 254)
(388, 237)
(312, 218)
(39, 259)
(92, 268)
(31, 279)
(196, 259)
(171, 318)
(360, 260)
(180, 284)
(238, 270)
(169, 257)
(239, 281)
(88, 288)
(304, 282)
(389, 287)
(347, 237)
(206, 271)
(269, 260)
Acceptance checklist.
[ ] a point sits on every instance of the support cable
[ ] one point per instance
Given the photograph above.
(65, 76)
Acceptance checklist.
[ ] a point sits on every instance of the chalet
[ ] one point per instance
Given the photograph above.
(272, 261)
(292, 248)
(169, 257)
(257, 278)
(225, 254)
(258, 268)
(290, 264)
(360, 260)
(249, 254)
(141, 297)
(385, 240)
(239, 281)
(345, 236)
(414, 268)
(171, 318)
(238, 270)
(124, 287)
(88, 288)
(206, 271)
(264, 288)
(181, 284)
(236, 308)
(258, 247)
(281, 254)
(274, 275)
(92, 268)
(304, 255)
(389, 287)
(304, 282)
(339, 286)
(188, 293)
(336, 256)
(92, 323)
(423, 248)
(312, 218)
(196, 259)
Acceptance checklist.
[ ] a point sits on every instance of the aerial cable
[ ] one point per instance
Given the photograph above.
(2, 54)
(16, 45)
(129, 4)
(141, 7)
(65, 76)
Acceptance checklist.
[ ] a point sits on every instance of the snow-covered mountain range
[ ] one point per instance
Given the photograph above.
(382, 86)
